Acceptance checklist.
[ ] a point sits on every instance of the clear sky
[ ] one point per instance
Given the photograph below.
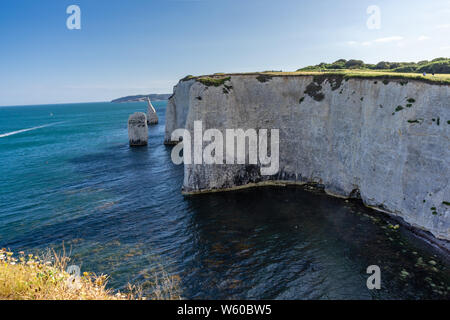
(127, 47)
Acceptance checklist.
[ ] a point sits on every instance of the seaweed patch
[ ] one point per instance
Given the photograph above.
(216, 82)
(334, 80)
(264, 78)
(314, 91)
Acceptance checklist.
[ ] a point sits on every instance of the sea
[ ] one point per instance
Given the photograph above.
(69, 181)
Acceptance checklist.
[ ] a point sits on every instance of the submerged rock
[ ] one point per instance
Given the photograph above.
(138, 129)
(152, 117)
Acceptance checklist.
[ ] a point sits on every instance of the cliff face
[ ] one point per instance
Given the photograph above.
(386, 142)
(177, 109)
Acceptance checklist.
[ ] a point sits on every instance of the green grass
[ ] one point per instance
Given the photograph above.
(385, 76)
(187, 78)
(375, 74)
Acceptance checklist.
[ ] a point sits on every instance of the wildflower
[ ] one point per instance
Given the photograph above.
(9, 254)
(21, 252)
(100, 280)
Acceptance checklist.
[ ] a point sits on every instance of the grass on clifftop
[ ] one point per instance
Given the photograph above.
(437, 71)
(216, 80)
(28, 277)
(437, 66)
(378, 74)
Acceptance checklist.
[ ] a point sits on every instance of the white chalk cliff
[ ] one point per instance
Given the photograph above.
(386, 141)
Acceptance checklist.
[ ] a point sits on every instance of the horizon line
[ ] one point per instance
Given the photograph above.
(50, 104)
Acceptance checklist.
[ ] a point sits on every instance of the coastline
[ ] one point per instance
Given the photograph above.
(357, 136)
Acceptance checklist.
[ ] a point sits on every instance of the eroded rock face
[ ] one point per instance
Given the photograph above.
(387, 142)
(137, 129)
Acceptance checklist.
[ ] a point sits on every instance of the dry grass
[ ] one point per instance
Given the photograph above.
(163, 286)
(29, 277)
(350, 73)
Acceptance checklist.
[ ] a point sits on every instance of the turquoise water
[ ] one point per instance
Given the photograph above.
(73, 179)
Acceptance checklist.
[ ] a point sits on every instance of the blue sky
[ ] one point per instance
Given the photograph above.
(144, 46)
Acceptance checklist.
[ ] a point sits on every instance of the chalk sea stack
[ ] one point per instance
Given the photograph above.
(138, 129)
(152, 117)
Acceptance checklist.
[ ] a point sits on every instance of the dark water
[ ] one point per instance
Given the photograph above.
(122, 213)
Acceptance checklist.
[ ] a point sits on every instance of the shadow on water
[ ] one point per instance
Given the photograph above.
(288, 243)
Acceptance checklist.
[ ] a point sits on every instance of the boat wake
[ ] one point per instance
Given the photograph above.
(3, 135)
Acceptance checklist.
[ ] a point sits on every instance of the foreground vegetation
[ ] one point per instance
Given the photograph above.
(29, 277)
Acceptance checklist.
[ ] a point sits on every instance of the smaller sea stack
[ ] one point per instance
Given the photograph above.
(152, 117)
(138, 129)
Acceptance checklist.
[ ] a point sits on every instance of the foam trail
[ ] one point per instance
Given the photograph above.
(25, 130)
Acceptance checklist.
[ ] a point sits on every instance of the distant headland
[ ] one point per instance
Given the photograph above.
(152, 97)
